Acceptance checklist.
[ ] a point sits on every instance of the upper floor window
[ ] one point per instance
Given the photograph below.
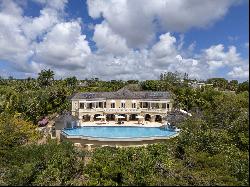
(164, 105)
(81, 105)
(168, 106)
(145, 105)
(112, 105)
(133, 105)
(100, 105)
(122, 105)
(89, 105)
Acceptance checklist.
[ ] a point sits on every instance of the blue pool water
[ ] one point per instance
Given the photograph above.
(119, 132)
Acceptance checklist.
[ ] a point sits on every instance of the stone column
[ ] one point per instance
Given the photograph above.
(92, 118)
(127, 117)
(152, 118)
(163, 119)
(80, 117)
(160, 105)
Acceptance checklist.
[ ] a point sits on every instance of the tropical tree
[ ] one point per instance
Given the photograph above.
(244, 86)
(45, 78)
(220, 83)
(171, 77)
(233, 85)
(71, 81)
(44, 165)
(14, 131)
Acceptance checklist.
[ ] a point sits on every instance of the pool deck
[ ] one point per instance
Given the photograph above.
(126, 123)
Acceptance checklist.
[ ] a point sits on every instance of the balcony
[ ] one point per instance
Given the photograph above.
(160, 110)
(124, 110)
(91, 110)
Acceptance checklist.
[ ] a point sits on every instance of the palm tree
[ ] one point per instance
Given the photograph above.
(71, 81)
(45, 77)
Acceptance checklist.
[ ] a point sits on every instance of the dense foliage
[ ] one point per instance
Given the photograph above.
(45, 164)
(212, 148)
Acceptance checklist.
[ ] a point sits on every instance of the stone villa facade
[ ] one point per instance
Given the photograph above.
(153, 106)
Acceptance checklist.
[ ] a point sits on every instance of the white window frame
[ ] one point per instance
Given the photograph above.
(111, 105)
(123, 105)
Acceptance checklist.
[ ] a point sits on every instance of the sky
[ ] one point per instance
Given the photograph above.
(125, 39)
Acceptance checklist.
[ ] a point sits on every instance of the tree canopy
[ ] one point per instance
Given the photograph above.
(211, 149)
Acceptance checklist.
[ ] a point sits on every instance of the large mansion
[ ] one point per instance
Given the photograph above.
(152, 106)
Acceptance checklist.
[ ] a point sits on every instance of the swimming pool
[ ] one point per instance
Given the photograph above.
(116, 133)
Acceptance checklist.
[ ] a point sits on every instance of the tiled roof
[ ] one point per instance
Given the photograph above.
(123, 94)
(66, 117)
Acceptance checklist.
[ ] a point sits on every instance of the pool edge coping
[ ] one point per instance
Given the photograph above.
(120, 139)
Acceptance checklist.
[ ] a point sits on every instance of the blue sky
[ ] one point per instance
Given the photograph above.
(126, 39)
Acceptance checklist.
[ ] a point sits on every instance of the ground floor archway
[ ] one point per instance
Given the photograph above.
(132, 117)
(86, 117)
(123, 119)
(95, 117)
(110, 117)
(147, 117)
(158, 118)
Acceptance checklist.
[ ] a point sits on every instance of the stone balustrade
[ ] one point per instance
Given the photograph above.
(125, 110)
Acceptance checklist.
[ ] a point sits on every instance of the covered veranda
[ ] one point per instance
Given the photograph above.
(115, 117)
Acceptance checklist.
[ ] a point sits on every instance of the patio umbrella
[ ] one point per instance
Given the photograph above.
(139, 117)
(100, 117)
(120, 117)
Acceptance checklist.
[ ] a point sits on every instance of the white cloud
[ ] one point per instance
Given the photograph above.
(241, 72)
(145, 63)
(63, 47)
(216, 57)
(125, 18)
(14, 47)
(165, 47)
(181, 15)
(124, 41)
(137, 20)
(18, 33)
(179, 58)
(55, 4)
(109, 42)
(34, 27)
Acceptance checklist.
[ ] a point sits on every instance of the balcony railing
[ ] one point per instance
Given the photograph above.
(123, 110)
